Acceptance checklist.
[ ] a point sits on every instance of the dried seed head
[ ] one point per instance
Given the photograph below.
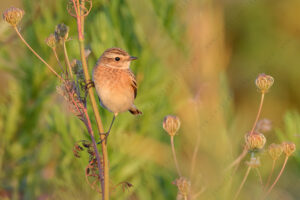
(171, 124)
(288, 148)
(264, 82)
(183, 185)
(275, 151)
(61, 32)
(255, 141)
(51, 41)
(254, 162)
(264, 125)
(13, 15)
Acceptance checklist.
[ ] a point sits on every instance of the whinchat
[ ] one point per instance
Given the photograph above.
(115, 83)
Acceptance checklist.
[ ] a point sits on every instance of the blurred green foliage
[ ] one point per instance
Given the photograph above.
(37, 132)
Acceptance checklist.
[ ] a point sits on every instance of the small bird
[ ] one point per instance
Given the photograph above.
(115, 83)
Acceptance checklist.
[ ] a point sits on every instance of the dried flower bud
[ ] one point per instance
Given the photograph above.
(288, 148)
(254, 162)
(61, 32)
(275, 151)
(183, 185)
(264, 82)
(171, 124)
(255, 141)
(13, 15)
(51, 41)
(264, 125)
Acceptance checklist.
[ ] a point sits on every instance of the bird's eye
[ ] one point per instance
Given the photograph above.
(117, 58)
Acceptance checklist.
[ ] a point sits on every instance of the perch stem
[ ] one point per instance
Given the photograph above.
(174, 156)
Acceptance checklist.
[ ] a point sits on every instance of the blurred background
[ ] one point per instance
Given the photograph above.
(198, 59)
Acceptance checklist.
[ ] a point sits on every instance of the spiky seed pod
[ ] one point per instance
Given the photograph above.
(254, 162)
(183, 185)
(264, 125)
(77, 69)
(264, 82)
(51, 41)
(288, 148)
(61, 32)
(275, 151)
(13, 15)
(171, 124)
(255, 141)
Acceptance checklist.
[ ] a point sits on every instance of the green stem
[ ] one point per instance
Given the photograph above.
(67, 61)
(57, 59)
(63, 80)
(105, 187)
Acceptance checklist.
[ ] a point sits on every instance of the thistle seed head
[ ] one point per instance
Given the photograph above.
(13, 15)
(288, 148)
(61, 32)
(275, 151)
(264, 82)
(264, 125)
(255, 141)
(183, 185)
(171, 124)
(51, 41)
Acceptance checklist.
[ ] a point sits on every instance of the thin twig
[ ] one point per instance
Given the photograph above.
(57, 59)
(36, 54)
(238, 159)
(258, 113)
(276, 180)
(199, 193)
(193, 163)
(270, 175)
(243, 182)
(174, 156)
(67, 61)
(259, 176)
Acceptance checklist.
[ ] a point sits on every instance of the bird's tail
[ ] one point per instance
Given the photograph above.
(133, 110)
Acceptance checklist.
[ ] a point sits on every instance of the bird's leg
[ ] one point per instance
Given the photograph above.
(107, 133)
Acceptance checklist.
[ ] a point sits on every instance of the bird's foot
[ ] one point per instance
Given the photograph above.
(104, 139)
(89, 84)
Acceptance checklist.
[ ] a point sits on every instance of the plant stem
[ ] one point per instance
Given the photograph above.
(196, 149)
(243, 182)
(238, 159)
(276, 180)
(105, 192)
(91, 133)
(67, 61)
(270, 175)
(87, 117)
(174, 156)
(259, 176)
(37, 55)
(258, 113)
(57, 59)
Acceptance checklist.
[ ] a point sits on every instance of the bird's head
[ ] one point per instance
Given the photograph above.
(116, 58)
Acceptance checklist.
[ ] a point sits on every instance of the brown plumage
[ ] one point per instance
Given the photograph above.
(114, 82)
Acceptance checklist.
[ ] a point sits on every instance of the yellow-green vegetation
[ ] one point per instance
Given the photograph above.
(233, 132)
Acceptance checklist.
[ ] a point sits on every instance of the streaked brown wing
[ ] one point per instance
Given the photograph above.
(133, 83)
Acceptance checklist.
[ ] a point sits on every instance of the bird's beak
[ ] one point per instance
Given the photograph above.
(133, 58)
